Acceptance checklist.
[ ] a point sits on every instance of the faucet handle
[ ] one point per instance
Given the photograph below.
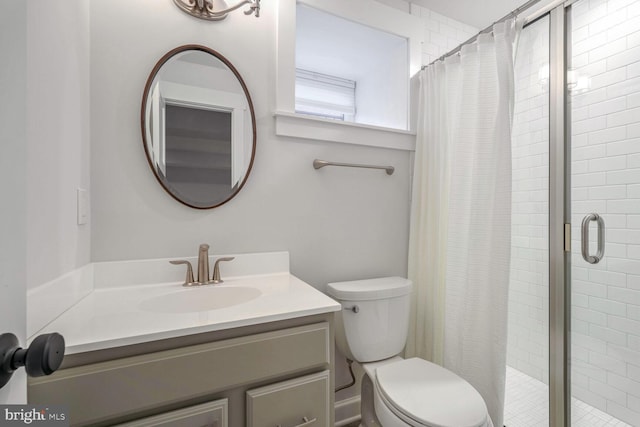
(216, 269)
(188, 281)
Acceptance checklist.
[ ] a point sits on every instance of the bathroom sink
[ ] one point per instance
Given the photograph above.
(203, 298)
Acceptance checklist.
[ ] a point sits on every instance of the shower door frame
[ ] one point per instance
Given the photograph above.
(559, 215)
(559, 223)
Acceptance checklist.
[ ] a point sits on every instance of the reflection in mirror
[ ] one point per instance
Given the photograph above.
(198, 126)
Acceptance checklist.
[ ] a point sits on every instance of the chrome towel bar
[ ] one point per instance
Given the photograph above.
(317, 164)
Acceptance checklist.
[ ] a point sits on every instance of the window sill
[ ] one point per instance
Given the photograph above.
(308, 127)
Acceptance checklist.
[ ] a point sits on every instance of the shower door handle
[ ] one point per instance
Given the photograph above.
(592, 259)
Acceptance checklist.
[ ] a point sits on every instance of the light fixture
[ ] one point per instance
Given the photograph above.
(216, 10)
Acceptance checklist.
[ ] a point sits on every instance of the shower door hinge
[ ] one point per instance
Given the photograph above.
(567, 237)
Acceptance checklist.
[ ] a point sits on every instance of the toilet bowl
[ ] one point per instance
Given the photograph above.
(372, 330)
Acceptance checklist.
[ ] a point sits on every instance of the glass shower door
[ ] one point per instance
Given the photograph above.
(527, 394)
(603, 91)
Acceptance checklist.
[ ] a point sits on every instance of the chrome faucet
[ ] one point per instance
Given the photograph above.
(203, 264)
(203, 268)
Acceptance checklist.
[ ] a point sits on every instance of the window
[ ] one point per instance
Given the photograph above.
(327, 49)
(325, 96)
(350, 71)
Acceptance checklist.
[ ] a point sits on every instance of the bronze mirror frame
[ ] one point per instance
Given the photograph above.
(143, 119)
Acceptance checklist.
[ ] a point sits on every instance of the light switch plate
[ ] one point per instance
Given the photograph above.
(83, 206)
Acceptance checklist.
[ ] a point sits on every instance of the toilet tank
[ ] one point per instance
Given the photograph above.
(374, 320)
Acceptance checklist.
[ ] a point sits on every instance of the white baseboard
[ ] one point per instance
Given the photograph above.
(347, 411)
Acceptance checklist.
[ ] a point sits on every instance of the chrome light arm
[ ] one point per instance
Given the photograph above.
(254, 8)
(204, 9)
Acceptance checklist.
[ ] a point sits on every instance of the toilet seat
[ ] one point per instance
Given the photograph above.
(423, 394)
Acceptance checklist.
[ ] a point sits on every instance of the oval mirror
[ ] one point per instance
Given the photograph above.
(198, 126)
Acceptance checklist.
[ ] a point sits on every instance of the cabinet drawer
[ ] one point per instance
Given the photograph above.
(211, 414)
(302, 401)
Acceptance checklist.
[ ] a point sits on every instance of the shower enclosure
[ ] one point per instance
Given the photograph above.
(574, 298)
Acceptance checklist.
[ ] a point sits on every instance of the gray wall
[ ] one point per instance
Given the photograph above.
(13, 182)
(338, 224)
(57, 136)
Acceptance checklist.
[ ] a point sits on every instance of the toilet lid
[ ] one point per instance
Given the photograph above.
(370, 289)
(430, 394)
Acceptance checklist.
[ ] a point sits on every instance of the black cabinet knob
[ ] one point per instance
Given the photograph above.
(43, 357)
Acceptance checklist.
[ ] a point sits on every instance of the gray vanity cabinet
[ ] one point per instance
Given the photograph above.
(261, 372)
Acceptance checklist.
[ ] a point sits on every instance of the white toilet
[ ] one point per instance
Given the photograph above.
(372, 330)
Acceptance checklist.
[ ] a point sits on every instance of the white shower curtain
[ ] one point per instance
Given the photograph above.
(459, 250)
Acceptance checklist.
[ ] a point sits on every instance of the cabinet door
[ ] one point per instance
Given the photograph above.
(302, 401)
(211, 414)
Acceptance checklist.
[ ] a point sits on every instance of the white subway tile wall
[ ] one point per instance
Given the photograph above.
(605, 119)
(441, 34)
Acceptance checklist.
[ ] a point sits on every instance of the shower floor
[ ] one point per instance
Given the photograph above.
(526, 405)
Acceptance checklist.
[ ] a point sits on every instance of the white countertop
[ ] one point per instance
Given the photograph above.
(116, 317)
(111, 316)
